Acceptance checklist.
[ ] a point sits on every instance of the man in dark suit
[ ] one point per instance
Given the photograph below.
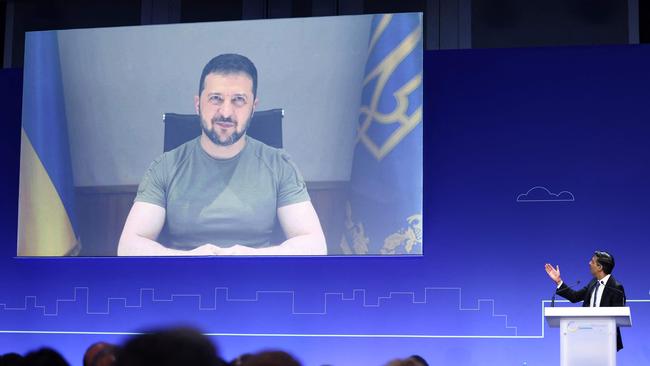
(602, 291)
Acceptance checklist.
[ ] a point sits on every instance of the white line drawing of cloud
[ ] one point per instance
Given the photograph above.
(542, 194)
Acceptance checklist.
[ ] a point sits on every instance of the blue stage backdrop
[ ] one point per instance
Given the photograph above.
(530, 156)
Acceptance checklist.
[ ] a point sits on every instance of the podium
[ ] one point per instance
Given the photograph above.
(588, 335)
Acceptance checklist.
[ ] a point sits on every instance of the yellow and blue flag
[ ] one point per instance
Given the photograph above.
(384, 211)
(46, 209)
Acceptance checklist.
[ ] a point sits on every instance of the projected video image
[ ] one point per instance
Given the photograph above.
(271, 137)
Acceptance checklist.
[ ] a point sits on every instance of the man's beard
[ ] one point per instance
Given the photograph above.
(214, 137)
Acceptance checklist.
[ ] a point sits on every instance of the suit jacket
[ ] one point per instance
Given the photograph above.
(613, 295)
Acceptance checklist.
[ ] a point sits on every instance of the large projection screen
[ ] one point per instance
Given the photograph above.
(347, 92)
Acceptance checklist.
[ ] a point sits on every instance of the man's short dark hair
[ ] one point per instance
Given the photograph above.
(229, 63)
(12, 359)
(271, 358)
(45, 357)
(606, 260)
(169, 347)
(418, 360)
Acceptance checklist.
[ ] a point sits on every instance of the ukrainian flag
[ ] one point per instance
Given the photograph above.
(46, 210)
(384, 212)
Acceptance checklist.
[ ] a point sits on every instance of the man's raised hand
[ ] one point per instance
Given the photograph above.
(553, 273)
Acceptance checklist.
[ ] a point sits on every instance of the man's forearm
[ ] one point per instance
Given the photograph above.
(308, 244)
(135, 245)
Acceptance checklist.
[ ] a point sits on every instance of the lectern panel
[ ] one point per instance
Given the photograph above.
(587, 342)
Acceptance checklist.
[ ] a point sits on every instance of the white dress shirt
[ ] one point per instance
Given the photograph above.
(598, 294)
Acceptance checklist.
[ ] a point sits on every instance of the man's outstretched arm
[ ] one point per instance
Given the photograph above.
(141, 230)
(302, 228)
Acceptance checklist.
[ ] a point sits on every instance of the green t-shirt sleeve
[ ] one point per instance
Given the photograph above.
(291, 185)
(152, 188)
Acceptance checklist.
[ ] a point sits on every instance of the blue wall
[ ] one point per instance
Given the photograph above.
(497, 124)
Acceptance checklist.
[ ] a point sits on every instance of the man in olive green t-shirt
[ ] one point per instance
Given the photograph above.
(220, 193)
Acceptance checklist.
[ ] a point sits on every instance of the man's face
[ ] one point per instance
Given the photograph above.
(594, 266)
(225, 107)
